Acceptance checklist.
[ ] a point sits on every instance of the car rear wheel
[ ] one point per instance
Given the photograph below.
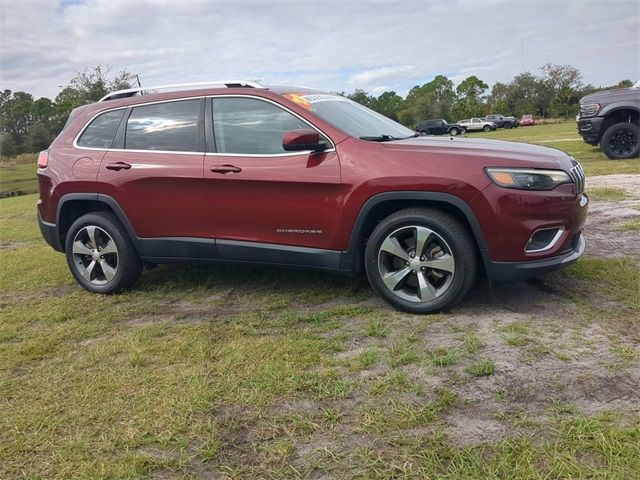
(421, 260)
(454, 131)
(620, 141)
(100, 254)
(486, 128)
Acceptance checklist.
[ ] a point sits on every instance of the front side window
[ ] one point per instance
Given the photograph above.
(171, 126)
(352, 118)
(251, 127)
(100, 133)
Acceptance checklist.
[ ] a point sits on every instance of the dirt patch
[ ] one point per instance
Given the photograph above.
(630, 183)
(603, 230)
(12, 245)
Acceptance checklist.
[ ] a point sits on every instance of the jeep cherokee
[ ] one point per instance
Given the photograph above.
(291, 176)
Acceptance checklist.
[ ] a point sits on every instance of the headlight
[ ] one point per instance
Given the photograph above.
(528, 179)
(589, 109)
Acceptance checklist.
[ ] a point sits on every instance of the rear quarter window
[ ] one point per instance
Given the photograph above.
(101, 130)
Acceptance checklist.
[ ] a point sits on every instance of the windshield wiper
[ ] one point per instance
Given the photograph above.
(379, 138)
(387, 138)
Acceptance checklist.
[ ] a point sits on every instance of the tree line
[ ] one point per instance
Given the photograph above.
(29, 125)
(553, 93)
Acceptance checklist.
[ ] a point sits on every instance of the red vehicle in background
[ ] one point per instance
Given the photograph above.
(237, 172)
(527, 121)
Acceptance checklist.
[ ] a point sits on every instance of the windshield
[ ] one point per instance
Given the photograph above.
(351, 117)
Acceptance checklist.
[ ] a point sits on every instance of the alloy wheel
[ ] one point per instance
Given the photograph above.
(95, 255)
(416, 264)
(623, 142)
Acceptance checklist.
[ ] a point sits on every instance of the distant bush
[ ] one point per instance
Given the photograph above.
(23, 158)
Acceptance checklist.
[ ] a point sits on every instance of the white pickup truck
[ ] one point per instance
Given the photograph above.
(474, 124)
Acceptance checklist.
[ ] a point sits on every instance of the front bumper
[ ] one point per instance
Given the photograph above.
(590, 128)
(508, 271)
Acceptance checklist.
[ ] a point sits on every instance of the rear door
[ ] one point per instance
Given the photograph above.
(260, 193)
(155, 171)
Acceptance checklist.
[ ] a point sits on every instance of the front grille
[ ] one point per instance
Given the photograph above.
(577, 175)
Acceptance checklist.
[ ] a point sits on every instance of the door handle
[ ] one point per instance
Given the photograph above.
(118, 166)
(225, 169)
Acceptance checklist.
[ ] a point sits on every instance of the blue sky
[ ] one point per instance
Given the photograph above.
(331, 45)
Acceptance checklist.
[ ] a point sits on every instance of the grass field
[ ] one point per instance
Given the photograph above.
(246, 372)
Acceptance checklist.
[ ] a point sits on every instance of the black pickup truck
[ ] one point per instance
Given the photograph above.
(611, 119)
(439, 126)
(502, 122)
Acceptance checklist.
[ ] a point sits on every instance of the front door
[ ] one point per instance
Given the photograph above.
(261, 196)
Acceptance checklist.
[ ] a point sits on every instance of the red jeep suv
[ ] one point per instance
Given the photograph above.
(233, 171)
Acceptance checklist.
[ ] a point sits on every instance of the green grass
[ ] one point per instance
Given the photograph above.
(564, 136)
(18, 175)
(611, 194)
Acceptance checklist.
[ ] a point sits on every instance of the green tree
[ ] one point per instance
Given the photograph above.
(38, 137)
(388, 104)
(362, 97)
(471, 96)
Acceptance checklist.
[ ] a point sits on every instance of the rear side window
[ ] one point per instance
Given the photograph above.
(249, 126)
(100, 132)
(171, 126)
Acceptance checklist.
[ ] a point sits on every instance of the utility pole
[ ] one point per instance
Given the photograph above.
(522, 55)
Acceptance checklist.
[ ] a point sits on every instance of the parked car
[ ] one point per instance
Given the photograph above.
(527, 121)
(502, 121)
(297, 177)
(477, 124)
(438, 126)
(612, 119)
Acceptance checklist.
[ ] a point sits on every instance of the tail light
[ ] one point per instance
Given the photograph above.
(43, 159)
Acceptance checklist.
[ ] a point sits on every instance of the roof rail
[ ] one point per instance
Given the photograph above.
(130, 92)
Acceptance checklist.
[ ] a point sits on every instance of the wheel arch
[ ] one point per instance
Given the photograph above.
(620, 113)
(383, 204)
(73, 205)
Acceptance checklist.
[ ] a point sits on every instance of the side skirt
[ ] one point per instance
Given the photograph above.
(185, 249)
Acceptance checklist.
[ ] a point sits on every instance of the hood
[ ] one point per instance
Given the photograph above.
(611, 96)
(489, 152)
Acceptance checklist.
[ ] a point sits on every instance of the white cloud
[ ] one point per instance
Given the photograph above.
(383, 73)
(325, 44)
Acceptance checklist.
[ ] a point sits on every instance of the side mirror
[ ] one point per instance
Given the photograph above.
(302, 140)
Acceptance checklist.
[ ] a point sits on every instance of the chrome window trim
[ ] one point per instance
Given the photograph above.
(75, 140)
(551, 244)
(288, 154)
(266, 155)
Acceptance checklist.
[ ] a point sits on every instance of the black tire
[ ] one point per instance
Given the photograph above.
(454, 131)
(621, 140)
(464, 130)
(424, 132)
(456, 239)
(124, 265)
(507, 125)
(486, 128)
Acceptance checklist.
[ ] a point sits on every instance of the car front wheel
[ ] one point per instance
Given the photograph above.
(100, 254)
(507, 125)
(421, 260)
(454, 131)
